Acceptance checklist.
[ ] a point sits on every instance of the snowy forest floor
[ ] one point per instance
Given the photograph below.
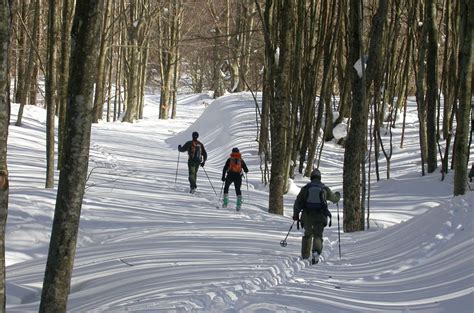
(147, 245)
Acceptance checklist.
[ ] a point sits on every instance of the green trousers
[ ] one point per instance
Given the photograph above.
(193, 168)
(312, 239)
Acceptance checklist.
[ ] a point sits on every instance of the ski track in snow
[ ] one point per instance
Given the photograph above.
(263, 276)
(147, 245)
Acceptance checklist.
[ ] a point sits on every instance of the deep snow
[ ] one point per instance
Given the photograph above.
(147, 245)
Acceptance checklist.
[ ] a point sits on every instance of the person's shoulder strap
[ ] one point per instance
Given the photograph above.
(188, 145)
(306, 187)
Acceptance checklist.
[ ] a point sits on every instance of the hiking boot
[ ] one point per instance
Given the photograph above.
(225, 202)
(239, 203)
(315, 258)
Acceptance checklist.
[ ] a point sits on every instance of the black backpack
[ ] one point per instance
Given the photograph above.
(196, 151)
(316, 200)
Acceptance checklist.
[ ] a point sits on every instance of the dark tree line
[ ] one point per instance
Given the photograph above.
(400, 51)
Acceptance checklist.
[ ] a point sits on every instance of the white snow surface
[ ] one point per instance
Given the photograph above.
(147, 245)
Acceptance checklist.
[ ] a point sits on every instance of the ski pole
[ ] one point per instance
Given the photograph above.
(222, 188)
(283, 242)
(247, 180)
(209, 181)
(338, 230)
(177, 165)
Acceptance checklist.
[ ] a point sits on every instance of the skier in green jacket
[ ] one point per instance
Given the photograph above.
(197, 155)
(311, 200)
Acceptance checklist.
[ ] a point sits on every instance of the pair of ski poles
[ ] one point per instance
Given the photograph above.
(176, 176)
(222, 188)
(284, 243)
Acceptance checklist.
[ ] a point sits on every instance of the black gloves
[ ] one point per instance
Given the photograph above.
(179, 147)
(296, 217)
(202, 164)
(338, 195)
(223, 178)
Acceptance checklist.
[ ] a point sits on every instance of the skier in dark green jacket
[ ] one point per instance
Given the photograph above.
(311, 200)
(197, 155)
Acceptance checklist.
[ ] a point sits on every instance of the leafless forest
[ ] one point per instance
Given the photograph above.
(299, 55)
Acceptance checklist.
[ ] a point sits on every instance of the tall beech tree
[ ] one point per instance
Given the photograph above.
(72, 180)
(278, 20)
(6, 9)
(51, 89)
(463, 114)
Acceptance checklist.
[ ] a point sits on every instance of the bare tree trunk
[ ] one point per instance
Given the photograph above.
(37, 64)
(99, 97)
(233, 45)
(451, 80)
(51, 91)
(278, 30)
(420, 97)
(316, 50)
(315, 132)
(21, 34)
(165, 63)
(279, 120)
(120, 59)
(110, 69)
(406, 73)
(137, 32)
(6, 9)
(34, 43)
(355, 139)
(132, 72)
(431, 84)
(245, 48)
(57, 279)
(328, 80)
(343, 70)
(142, 85)
(449, 65)
(176, 74)
(67, 13)
(169, 34)
(267, 90)
(174, 100)
(293, 143)
(465, 98)
(216, 74)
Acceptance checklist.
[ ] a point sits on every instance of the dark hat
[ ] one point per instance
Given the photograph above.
(195, 135)
(235, 150)
(315, 174)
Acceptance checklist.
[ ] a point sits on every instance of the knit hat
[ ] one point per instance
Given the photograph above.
(315, 174)
(195, 135)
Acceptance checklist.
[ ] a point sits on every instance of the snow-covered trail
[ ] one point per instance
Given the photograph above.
(148, 245)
